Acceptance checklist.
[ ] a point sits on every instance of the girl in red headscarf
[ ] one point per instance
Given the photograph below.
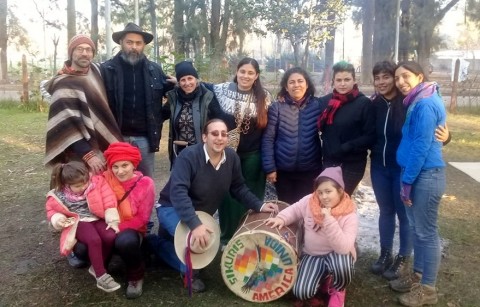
(135, 195)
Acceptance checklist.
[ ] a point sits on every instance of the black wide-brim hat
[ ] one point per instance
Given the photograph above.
(132, 28)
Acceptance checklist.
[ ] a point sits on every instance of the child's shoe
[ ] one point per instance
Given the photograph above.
(337, 298)
(107, 284)
(134, 289)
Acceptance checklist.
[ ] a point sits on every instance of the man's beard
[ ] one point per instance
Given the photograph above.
(132, 57)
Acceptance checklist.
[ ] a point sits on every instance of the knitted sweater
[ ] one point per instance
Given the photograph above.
(335, 235)
(195, 184)
(228, 95)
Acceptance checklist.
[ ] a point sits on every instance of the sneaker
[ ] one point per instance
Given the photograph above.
(198, 285)
(337, 298)
(419, 296)
(134, 289)
(405, 283)
(76, 262)
(107, 284)
(384, 261)
(397, 269)
(92, 271)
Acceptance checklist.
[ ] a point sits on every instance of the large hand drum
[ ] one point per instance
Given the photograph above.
(259, 264)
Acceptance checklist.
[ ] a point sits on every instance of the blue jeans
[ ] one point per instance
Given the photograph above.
(386, 185)
(163, 245)
(147, 164)
(427, 191)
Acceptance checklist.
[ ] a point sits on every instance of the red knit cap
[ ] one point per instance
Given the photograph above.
(122, 151)
(77, 40)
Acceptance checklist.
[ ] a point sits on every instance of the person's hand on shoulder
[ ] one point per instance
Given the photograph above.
(172, 79)
(97, 165)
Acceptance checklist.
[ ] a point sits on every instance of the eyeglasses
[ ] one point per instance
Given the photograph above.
(82, 49)
(216, 133)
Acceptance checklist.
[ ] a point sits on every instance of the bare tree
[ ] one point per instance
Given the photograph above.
(3, 40)
(71, 19)
(94, 22)
(367, 34)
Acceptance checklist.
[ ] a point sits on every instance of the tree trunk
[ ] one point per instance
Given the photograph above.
(384, 26)
(71, 19)
(94, 23)
(204, 28)
(3, 41)
(153, 18)
(178, 29)
(367, 33)
(296, 53)
(215, 25)
(222, 43)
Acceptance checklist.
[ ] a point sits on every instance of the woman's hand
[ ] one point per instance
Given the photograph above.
(442, 133)
(272, 177)
(275, 222)
(327, 211)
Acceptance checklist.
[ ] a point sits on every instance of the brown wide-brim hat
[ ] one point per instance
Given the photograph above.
(132, 28)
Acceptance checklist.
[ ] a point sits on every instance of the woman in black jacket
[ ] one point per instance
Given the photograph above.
(347, 126)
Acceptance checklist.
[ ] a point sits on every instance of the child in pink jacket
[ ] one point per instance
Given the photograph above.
(84, 208)
(330, 224)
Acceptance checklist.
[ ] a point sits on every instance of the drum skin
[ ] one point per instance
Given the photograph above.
(259, 264)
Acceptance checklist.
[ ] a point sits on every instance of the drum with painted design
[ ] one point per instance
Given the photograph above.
(259, 264)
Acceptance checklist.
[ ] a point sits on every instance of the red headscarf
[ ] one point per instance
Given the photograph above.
(122, 151)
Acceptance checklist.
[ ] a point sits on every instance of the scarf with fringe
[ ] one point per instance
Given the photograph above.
(345, 207)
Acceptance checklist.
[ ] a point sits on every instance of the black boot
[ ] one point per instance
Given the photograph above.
(397, 269)
(384, 262)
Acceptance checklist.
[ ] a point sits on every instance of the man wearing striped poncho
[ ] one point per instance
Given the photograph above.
(80, 123)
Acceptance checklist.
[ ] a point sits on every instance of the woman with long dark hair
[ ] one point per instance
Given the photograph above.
(422, 181)
(244, 102)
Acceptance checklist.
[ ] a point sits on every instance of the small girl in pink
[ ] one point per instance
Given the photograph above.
(330, 224)
(84, 208)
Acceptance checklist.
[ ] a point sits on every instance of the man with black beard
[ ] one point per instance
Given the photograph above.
(135, 88)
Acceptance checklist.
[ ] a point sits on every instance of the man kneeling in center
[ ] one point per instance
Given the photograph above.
(201, 177)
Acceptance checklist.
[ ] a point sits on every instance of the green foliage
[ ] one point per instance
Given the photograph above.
(303, 21)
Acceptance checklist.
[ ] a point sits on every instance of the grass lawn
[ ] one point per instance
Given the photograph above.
(34, 274)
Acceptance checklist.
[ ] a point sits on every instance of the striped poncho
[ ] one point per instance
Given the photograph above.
(79, 110)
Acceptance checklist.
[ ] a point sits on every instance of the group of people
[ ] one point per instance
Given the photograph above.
(225, 141)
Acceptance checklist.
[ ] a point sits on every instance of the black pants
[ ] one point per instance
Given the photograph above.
(352, 173)
(293, 186)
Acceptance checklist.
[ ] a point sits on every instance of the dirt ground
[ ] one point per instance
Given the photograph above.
(32, 272)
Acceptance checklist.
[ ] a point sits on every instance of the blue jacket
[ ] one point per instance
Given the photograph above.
(290, 141)
(419, 150)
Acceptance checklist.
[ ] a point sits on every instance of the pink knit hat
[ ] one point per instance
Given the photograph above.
(77, 40)
(334, 173)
